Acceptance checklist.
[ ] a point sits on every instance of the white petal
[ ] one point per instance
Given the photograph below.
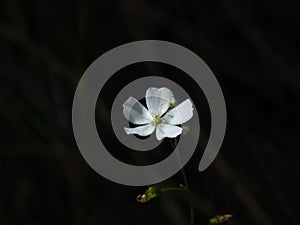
(158, 100)
(180, 114)
(166, 130)
(135, 112)
(141, 130)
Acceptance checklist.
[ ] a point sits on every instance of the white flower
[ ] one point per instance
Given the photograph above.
(157, 116)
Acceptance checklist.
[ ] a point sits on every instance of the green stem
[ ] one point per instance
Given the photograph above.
(172, 189)
(186, 184)
(190, 197)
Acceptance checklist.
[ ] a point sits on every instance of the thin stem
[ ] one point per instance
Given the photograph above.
(186, 184)
(190, 197)
(172, 189)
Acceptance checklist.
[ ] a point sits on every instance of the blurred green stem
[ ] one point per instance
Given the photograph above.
(186, 184)
(190, 197)
(171, 189)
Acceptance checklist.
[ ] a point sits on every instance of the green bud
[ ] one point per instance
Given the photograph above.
(219, 219)
(150, 193)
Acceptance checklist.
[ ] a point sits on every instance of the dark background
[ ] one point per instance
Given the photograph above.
(252, 48)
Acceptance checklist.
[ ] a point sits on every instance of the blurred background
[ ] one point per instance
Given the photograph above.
(251, 46)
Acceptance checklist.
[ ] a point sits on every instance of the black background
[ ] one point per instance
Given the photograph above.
(252, 48)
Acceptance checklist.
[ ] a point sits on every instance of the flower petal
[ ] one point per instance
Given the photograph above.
(166, 130)
(180, 114)
(141, 130)
(135, 112)
(158, 100)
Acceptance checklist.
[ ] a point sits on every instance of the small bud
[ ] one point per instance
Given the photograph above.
(172, 103)
(220, 219)
(150, 193)
(185, 129)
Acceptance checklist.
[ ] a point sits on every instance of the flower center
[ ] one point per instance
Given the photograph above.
(157, 119)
